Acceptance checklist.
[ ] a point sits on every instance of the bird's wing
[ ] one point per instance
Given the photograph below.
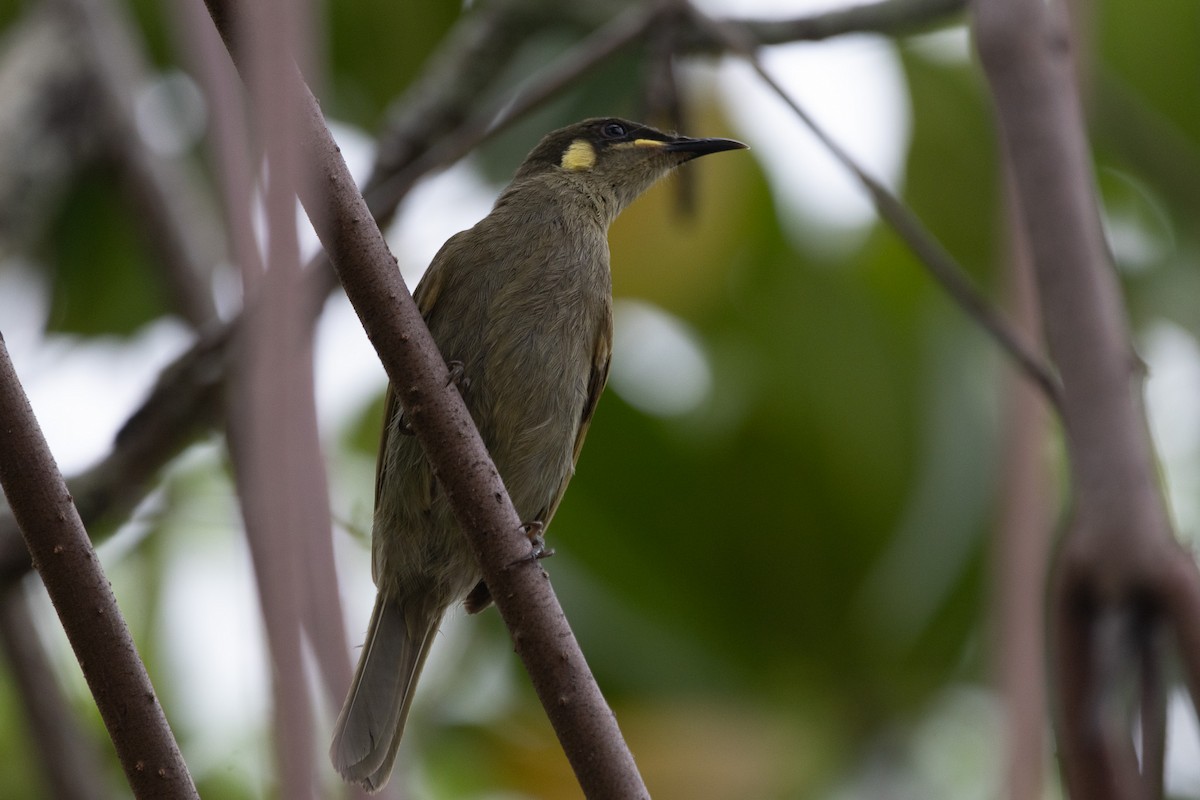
(598, 378)
(425, 296)
(391, 407)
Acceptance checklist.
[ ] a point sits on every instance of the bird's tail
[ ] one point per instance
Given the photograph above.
(368, 730)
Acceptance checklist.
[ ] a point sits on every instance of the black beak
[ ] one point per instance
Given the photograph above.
(702, 147)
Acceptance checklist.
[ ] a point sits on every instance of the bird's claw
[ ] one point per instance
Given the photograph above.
(533, 532)
(456, 378)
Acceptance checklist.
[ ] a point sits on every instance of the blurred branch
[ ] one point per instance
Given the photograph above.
(271, 408)
(454, 81)
(1021, 544)
(585, 725)
(1119, 560)
(169, 206)
(940, 264)
(44, 105)
(84, 600)
(66, 757)
(890, 17)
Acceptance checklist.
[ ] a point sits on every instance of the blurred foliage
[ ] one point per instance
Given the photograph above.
(103, 279)
(775, 588)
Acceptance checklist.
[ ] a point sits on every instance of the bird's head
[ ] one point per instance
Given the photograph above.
(614, 156)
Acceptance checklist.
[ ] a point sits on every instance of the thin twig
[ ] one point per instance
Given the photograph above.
(890, 17)
(940, 264)
(84, 600)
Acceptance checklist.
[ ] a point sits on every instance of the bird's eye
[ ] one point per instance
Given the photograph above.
(613, 130)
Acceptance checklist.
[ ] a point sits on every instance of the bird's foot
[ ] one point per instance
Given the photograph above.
(403, 427)
(537, 542)
(534, 533)
(456, 374)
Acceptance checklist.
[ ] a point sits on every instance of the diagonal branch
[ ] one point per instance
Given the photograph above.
(84, 600)
(585, 725)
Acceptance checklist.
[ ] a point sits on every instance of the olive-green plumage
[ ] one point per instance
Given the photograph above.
(523, 302)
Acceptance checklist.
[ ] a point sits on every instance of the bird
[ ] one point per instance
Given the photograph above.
(520, 306)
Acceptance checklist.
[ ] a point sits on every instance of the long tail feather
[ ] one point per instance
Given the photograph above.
(368, 730)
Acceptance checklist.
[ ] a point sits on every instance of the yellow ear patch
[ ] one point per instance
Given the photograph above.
(579, 156)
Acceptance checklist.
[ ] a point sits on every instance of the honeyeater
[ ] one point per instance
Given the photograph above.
(521, 306)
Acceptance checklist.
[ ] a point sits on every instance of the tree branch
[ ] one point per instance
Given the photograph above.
(585, 726)
(1119, 559)
(890, 17)
(84, 600)
(1021, 546)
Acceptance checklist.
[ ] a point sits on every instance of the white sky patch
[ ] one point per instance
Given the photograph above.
(348, 372)
(82, 389)
(950, 46)
(1173, 406)
(854, 87)
(1182, 769)
(170, 113)
(216, 648)
(436, 209)
(658, 364)
(855, 90)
